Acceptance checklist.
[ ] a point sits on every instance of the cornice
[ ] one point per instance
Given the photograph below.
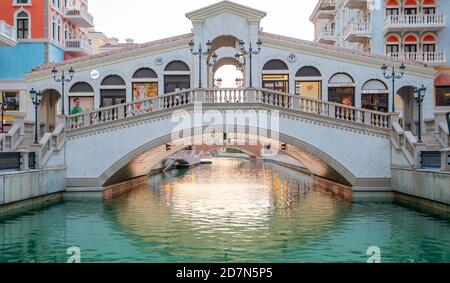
(347, 57)
(111, 59)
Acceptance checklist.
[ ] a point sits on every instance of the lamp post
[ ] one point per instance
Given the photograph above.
(249, 52)
(239, 82)
(200, 53)
(419, 95)
(63, 79)
(3, 108)
(218, 82)
(36, 98)
(393, 76)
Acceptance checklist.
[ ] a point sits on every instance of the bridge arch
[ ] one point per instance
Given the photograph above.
(316, 160)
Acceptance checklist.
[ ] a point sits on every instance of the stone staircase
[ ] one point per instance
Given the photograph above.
(26, 144)
(431, 143)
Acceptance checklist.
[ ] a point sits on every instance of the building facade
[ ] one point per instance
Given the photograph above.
(284, 64)
(406, 29)
(36, 32)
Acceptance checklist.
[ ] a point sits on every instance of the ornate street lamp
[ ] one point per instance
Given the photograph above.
(62, 79)
(36, 98)
(200, 53)
(239, 82)
(393, 76)
(250, 52)
(419, 95)
(3, 108)
(218, 82)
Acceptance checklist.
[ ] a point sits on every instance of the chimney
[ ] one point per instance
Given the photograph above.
(129, 41)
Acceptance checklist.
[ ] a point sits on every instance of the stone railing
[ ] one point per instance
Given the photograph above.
(324, 108)
(442, 132)
(406, 142)
(80, 13)
(7, 31)
(228, 96)
(78, 44)
(225, 95)
(49, 144)
(426, 57)
(419, 19)
(357, 27)
(13, 138)
(2, 142)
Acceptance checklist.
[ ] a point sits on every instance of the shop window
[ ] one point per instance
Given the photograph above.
(309, 89)
(11, 99)
(278, 83)
(443, 96)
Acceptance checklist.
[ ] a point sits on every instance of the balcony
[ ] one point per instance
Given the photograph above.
(327, 10)
(78, 47)
(399, 23)
(327, 36)
(7, 34)
(425, 57)
(80, 18)
(357, 31)
(355, 4)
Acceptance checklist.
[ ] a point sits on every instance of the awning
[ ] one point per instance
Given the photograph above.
(442, 80)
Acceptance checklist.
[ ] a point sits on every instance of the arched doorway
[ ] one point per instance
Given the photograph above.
(228, 73)
(48, 110)
(81, 98)
(341, 89)
(113, 91)
(275, 76)
(375, 96)
(145, 84)
(177, 76)
(308, 82)
(406, 105)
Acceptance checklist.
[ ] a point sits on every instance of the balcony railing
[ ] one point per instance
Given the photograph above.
(416, 21)
(426, 57)
(80, 17)
(7, 34)
(326, 35)
(355, 4)
(357, 30)
(78, 45)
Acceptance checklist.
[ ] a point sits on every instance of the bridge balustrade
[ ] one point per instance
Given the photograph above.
(229, 96)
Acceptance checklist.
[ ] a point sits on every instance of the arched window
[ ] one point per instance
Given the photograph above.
(410, 44)
(81, 98)
(176, 66)
(429, 46)
(112, 91)
(308, 82)
(275, 76)
(410, 8)
(145, 84)
(23, 25)
(375, 96)
(392, 8)
(429, 7)
(177, 76)
(341, 89)
(442, 84)
(393, 45)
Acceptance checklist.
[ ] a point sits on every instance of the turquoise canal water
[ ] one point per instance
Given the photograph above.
(231, 211)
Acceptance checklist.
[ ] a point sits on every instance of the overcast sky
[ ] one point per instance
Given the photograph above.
(146, 20)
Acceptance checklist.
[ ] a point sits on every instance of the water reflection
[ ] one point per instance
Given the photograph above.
(232, 211)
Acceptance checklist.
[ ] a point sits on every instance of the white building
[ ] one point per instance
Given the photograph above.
(284, 64)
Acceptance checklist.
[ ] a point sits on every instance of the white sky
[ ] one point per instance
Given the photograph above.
(147, 20)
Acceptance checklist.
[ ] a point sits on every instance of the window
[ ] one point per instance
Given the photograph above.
(275, 82)
(411, 11)
(443, 96)
(11, 99)
(22, 1)
(312, 89)
(429, 48)
(392, 12)
(429, 10)
(22, 25)
(392, 48)
(410, 48)
(375, 96)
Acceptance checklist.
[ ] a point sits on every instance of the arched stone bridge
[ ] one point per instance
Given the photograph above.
(335, 141)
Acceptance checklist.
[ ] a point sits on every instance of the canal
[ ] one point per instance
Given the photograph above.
(231, 211)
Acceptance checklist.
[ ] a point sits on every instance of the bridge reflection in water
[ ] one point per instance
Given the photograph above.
(232, 211)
